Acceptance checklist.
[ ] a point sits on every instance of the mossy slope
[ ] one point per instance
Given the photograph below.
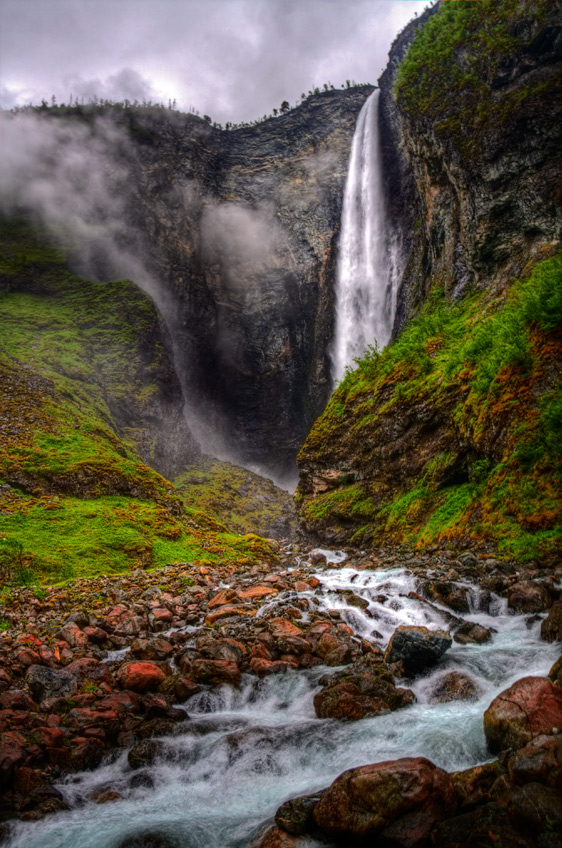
(453, 433)
(86, 384)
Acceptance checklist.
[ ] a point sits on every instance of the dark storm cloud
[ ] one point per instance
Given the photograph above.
(232, 59)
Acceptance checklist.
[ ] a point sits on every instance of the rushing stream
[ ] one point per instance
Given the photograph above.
(245, 751)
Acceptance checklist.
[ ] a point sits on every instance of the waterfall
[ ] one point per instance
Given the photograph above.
(367, 271)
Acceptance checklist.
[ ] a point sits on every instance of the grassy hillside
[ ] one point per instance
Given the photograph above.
(86, 382)
(454, 432)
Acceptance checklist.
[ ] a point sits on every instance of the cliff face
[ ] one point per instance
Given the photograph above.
(451, 434)
(242, 227)
(470, 105)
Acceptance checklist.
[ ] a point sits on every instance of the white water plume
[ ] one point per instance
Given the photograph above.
(367, 272)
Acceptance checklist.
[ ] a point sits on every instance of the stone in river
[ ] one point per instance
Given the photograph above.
(530, 708)
(417, 648)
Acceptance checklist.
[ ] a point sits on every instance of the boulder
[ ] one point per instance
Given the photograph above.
(528, 597)
(144, 753)
(531, 707)
(216, 671)
(360, 693)
(398, 802)
(551, 628)
(533, 805)
(539, 762)
(297, 815)
(141, 676)
(44, 682)
(487, 825)
(453, 686)
(274, 837)
(416, 648)
(470, 633)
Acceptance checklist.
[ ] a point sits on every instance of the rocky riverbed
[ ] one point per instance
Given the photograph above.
(184, 706)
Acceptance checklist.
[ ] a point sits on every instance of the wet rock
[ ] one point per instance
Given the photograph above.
(539, 762)
(86, 754)
(534, 805)
(263, 667)
(145, 753)
(531, 707)
(179, 688)
(297, 815)
(17, 700)
(216, 671)
(555, 673)
(106, 796)
(486, 825)
(397, 802)
(551, 628)
(416, 648)
(473, 785)
(360, 693)
(447, 594)
(472, 634)
(274, 837)
(148, 839)
(141, 676)
(528, 597)
(44, 683)
(453, 686)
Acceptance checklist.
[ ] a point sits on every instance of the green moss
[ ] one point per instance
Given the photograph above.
(75, 356)
(446, 76)
(486, 361)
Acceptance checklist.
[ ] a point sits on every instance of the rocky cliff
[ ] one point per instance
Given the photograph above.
(452, 434)
(242, 227)
(470, 103)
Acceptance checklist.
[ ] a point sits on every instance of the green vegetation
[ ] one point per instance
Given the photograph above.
(79, 360)
(488, 370)
(242, 500)
(448, 72)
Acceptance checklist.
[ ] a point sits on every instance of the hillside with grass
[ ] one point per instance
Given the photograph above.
(90, 413)
(451, 434)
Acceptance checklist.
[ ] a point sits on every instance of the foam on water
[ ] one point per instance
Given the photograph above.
(247, 750)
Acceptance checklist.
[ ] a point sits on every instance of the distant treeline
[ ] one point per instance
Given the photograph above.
(97, 106)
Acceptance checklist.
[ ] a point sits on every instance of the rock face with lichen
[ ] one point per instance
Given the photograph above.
(470, 135)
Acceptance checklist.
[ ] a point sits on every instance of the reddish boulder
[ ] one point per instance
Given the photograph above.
(274, 837)
(453, 686)
(263, 667)
(216, 671)
(141, 676)
(398, 801)
(539, 762)
(528, 597)
(531, 707)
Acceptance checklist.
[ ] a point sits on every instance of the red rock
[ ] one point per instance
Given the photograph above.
(539, 762)
(162, 615)
(216, 671)
(282, 627)
(17, 700)
(72, 634)
(26, 657)
(255, 593)
(226, 596)
(96, 635)
(141, 676)
(398, 801)
(222, 612)
(263, 667)
(50, 737)
(122, 702)
(5, 679)
(81, 718)
(12, 754)
(274, 837)
(531, 707)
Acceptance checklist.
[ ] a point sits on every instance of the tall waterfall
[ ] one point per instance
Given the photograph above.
(367, 268)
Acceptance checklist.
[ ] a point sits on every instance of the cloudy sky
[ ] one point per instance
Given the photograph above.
(232, 59)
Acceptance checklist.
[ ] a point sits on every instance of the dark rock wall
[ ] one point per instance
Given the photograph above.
(473, 176)
(242, 228)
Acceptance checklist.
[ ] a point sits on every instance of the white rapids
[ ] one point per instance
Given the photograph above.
(367, 273)
(244, 751)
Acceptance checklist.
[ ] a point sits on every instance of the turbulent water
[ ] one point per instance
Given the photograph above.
(247, 750)
(368, 257)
